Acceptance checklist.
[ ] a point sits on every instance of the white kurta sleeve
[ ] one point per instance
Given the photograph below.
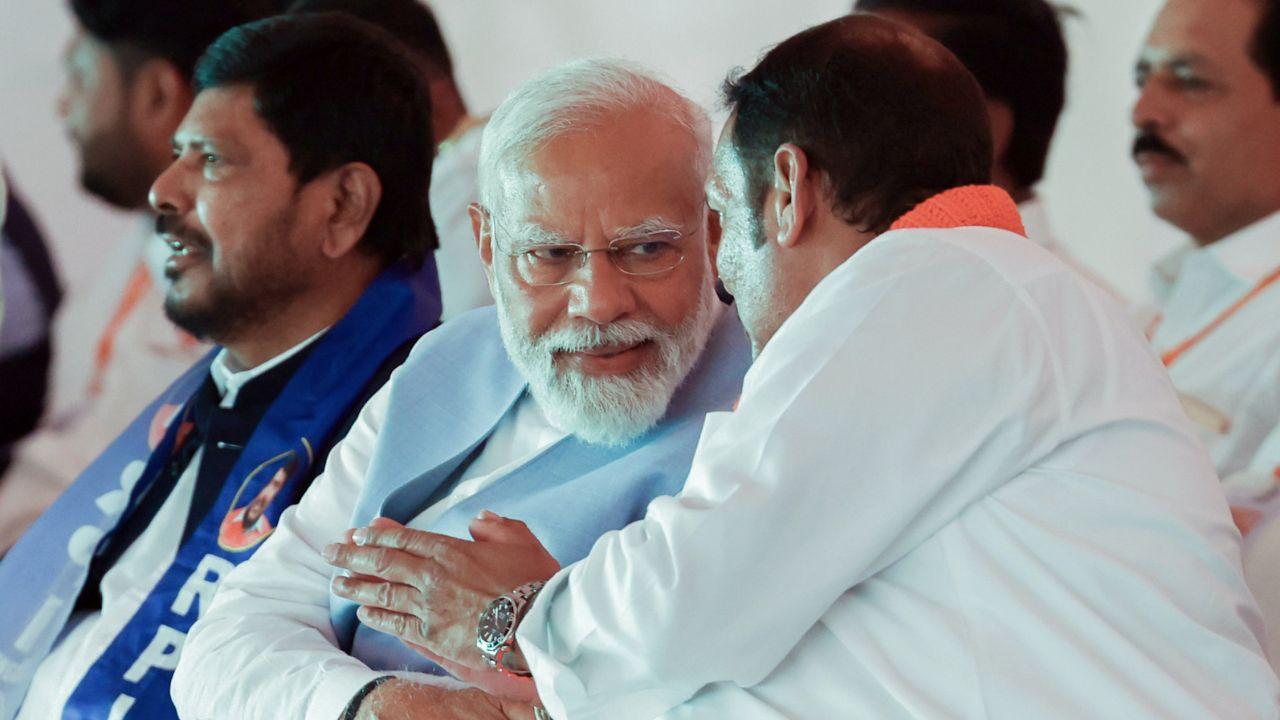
(882, 408)
(265, 648)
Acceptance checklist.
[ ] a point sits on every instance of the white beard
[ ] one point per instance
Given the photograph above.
(616, 409)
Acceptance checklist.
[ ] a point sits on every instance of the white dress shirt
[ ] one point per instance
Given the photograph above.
(270, 618)
(1231, 378)
(128, 583)
(957, 485)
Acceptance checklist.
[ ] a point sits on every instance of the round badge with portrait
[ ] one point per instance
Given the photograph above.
(251, 517)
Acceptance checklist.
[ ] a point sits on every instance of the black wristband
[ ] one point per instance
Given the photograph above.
(353, 707)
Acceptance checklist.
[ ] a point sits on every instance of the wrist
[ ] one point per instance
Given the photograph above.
(496, 630)
(354, 706)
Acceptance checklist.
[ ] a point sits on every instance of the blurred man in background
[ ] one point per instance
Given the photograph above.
(29, 294)
(1016, 50)
(457, 135)
(1207, 141)
(127, 86)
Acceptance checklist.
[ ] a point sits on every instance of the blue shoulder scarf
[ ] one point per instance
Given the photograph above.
(44, 573)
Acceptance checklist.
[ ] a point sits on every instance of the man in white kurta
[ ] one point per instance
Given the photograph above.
(1039, 537)
(957, 483)
(1207, 125)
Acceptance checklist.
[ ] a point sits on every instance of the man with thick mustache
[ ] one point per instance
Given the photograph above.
(1208, 146)
(571, 405)
(295, 208)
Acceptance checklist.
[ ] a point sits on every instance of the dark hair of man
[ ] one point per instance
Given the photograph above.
(177, 31)
(1016, 50)
(411, 21)
(1265, 48)
(888, 115)
(336, 90)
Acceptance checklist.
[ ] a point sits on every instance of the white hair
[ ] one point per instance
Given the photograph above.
(572, 97)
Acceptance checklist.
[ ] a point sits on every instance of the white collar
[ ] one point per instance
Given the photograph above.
(229, 381)
(1251, 252)
(1247, 254)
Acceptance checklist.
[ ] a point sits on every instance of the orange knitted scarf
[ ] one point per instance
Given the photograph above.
(968, 206)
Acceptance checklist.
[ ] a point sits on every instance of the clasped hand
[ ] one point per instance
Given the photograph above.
(429, 589)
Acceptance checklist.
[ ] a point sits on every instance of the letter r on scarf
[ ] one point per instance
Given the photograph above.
(161, 653)
(202, 584)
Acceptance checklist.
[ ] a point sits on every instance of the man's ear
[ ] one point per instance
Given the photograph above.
(482, 231)
(1000, 117)
(714, 230)
(356, 192)
(159, 98)
(793, 193)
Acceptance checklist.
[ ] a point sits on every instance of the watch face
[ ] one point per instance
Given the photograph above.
(495, 625)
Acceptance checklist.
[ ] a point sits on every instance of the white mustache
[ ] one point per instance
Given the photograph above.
(580, 339)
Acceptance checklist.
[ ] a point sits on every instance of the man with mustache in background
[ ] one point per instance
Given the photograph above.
(1207, 143)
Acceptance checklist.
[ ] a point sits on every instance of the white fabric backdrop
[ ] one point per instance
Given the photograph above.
(1096, 201)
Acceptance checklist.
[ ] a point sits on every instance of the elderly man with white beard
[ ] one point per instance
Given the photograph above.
(571, 404)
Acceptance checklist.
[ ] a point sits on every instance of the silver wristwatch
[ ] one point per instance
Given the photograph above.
(496, 631)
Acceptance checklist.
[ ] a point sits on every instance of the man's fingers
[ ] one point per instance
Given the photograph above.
(491, 527)
(465, 673)
(378, 522)
(402, 625)
(415, 542)
(383, 563)
(480, 675)
(378, 593)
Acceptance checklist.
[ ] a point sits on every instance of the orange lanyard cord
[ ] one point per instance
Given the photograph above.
(136, 289)
(1171, 355)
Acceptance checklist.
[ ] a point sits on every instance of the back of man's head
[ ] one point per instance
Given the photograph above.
(1016, 50)
(410, 21)
(888, 115)
(336, 90)
(179, 32)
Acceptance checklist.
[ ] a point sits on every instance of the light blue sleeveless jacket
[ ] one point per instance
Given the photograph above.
(446, 400)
